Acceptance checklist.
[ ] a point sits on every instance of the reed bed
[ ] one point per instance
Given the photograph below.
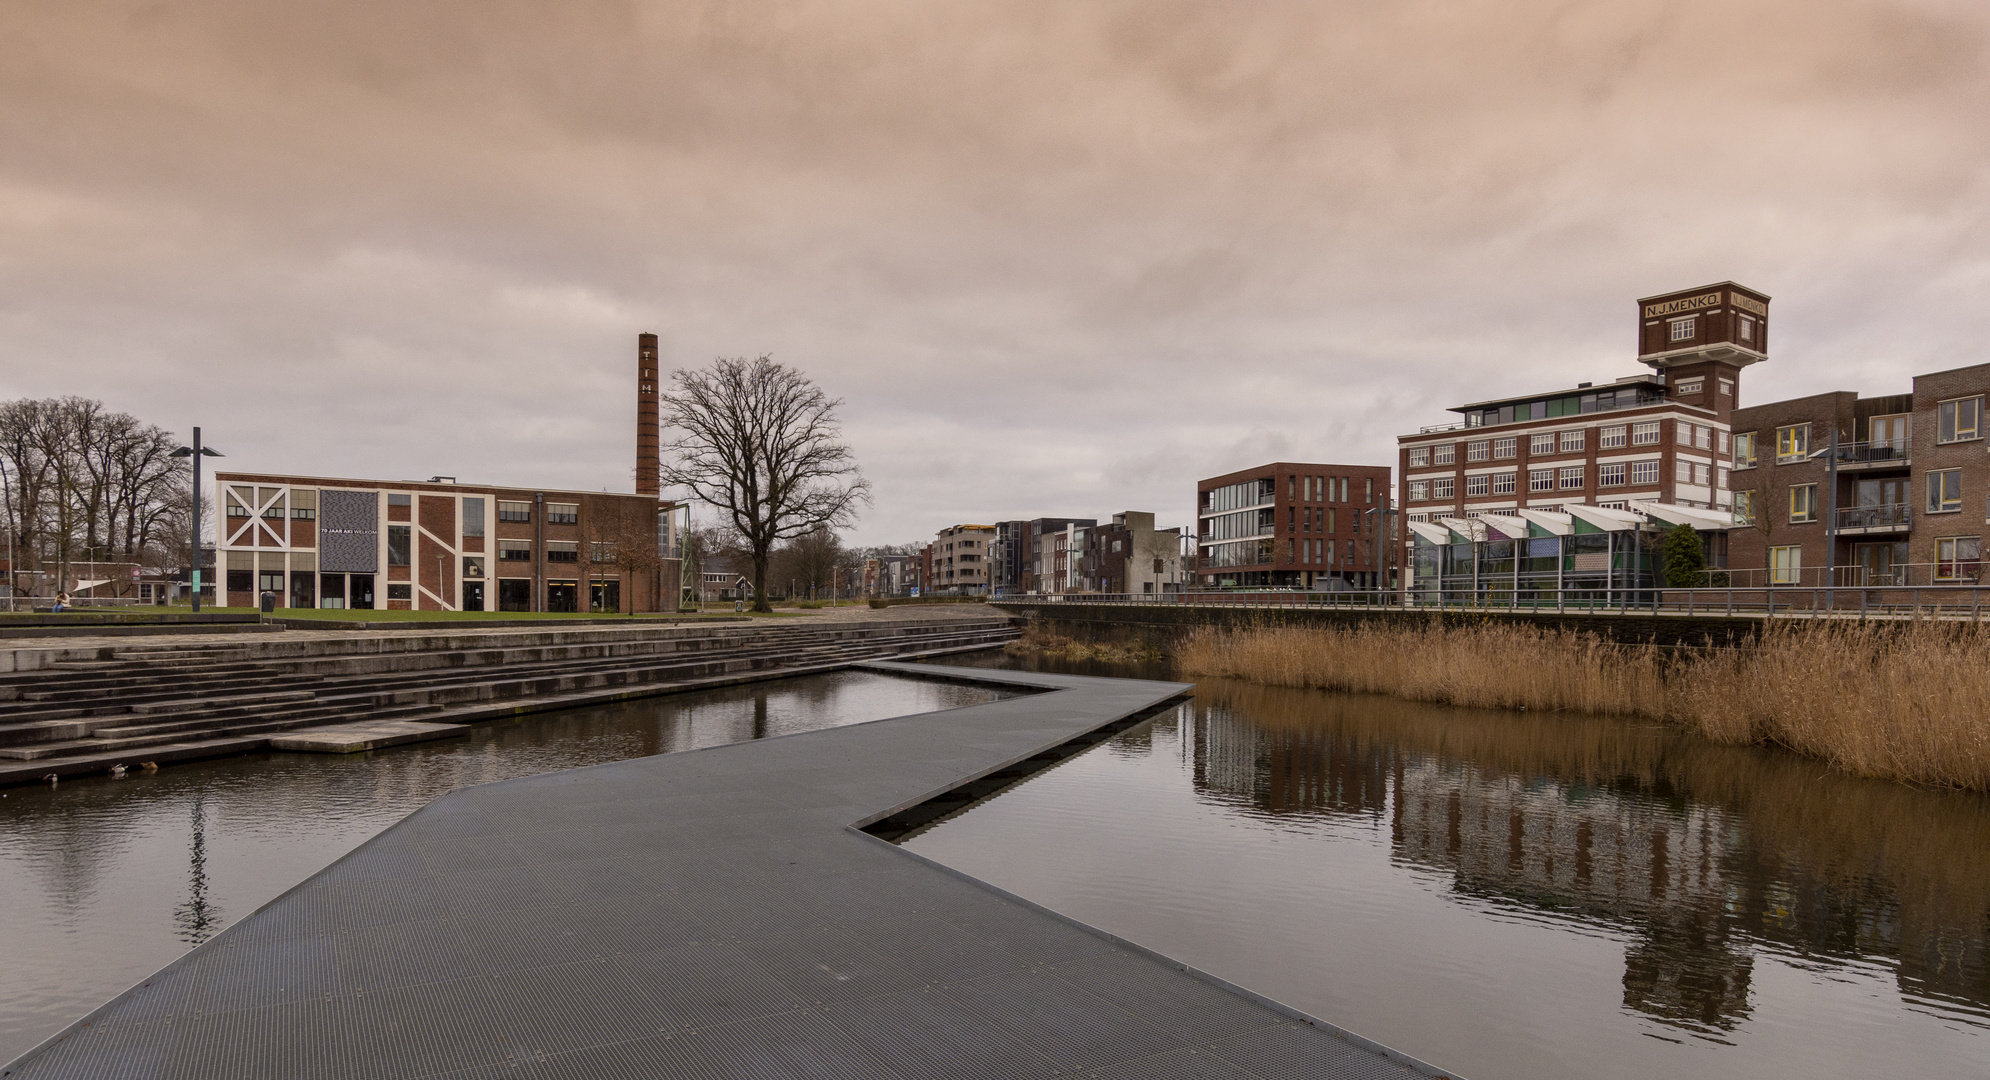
(1895, 702)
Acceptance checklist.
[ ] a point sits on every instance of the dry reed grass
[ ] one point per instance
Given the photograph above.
(1895, 702)
(1037, 641)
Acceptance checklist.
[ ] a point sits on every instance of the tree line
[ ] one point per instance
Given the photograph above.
(83, 484)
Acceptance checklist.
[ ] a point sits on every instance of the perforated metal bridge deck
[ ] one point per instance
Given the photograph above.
(701, 914)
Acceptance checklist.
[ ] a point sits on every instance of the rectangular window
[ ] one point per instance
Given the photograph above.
(1419, 457)
(514, 551)
(473, 516)
(1540, 479)
(1945, 491)
(1792, 443)
(1961, 419)
(1439, 455)
(1478, 451)
(1721, 479)
(1644, 472)
(1701, 474)
(1541, 445)
(1610, 475)
(1703, 437)
(1441, 489)
(1682, 471)
(1478, 485)
(1572, 441)
(1503, 483)
(473, 568)
(1690, 387)
(1958, 558)
(1723, 442)
(1612, 437)
(1744, 449)
(1786, 564)
(400, 592)
(1803, 503)
(562, 513)
(270, 582)
(1571, 477)
(1644, 433)
(397, 545)
(1682, 432)
(1682, 329)
(1744, 508)
(516, 513)
(399, 500)
(1503, 449)
(1747, 334)
(562, 550)
(1727, 387)
(605, 553)
(1419, 490)
(237, 510)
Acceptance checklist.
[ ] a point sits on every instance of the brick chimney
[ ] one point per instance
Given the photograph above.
(648, 463)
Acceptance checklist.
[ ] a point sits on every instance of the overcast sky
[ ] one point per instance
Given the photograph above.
(1059, 257)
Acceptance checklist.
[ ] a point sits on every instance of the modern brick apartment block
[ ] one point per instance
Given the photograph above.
(441, 546)
(959, 560)
(1130, 555)
(1664, 437)
(1294, 525)
(1909, 504)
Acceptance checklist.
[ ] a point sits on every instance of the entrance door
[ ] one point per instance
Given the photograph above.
(606, 596)
(1877, 562)
(473, 596)
(359, 593)
(514, 594)
(562, 596)
(331, 590)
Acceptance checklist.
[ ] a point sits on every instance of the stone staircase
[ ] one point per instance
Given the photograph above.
(176, 702)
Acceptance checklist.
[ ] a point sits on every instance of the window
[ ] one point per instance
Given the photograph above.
(1571, 477)
(1703, 437)
(517, 513)
(1957, 558)
(1503, 483)
(1682, 329)
(1644, 472)
(473, 568)
(562, 513)
(562, 550)
(1690, 387)
(400, 592)
(1744, 508)
(1945, 491)
(1785, 564)
(1441, 489)
(1572, 441)
(1610, 475)
(1744, 449)
(1792, 443)
(1727, 387)
(473, 516)
(1478, 451)
(1701, 473)
(1644, 433)
(1612, 437)
(1503, 449)
(514, 551)
(605, 553)
(1419, 457)
(303, 513)
(1682, 432)
(237, 510)
(1540, 445)
(1803, 503)
(1961, 419)
(1540, 479)
(1682, 471)
(399, 500)
(397, 545)
(1747, 334)
(1478, 485)
(1419, 490)
(268, 581)
(1723, 442)
(274, 511)
(1439, 455)
(1721, 479)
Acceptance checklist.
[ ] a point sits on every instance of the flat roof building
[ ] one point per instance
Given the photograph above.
(1293, 525)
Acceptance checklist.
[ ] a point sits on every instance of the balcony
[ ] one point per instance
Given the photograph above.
(1873, 456)
(1867, 520)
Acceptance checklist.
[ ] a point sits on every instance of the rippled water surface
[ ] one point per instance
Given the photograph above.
(1517, 895)
(103, 882)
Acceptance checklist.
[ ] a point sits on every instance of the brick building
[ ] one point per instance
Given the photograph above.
(443, 546)
(1664, 437)
(1130, 555)
(958, 563)
(1294, 526)
(1910, 472)
(1014, 555)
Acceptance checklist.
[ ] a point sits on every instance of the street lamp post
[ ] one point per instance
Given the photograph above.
(196, 452)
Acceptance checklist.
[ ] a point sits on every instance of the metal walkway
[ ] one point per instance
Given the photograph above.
(701, 914)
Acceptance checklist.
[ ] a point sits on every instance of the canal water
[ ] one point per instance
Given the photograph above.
(1518, 895)
(103, 882)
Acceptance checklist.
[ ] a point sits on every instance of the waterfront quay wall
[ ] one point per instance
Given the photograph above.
(1160, 624)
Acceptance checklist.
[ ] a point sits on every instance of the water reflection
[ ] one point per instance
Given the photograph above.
(1706, 853)
(197, 919)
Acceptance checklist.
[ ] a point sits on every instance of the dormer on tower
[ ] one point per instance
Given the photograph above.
(1700, 339)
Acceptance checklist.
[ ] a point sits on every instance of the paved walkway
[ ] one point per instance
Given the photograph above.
(702, 914)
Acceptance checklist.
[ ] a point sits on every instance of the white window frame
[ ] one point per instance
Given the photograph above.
(1478, 484)
(1644, 473)
(1611, 474)
(1504, 483)
(1682, 329)
(1505, 448)
(1540, 480)
(1444, 454)
(1419, 490)
(1613, 437)
(1572, 442)
(1644, 433)
(1695, 385)
(1441, 488)
(1541, 444)
(1419, 457)
(1570, 478)
(1478, 450)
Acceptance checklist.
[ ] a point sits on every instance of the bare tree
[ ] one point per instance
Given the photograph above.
(760, 441)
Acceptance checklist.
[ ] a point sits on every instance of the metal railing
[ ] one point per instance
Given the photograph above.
(1881, 451)
(1964, 602)
(1888, 516)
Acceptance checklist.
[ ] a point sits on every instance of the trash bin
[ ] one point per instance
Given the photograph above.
(269, 603)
